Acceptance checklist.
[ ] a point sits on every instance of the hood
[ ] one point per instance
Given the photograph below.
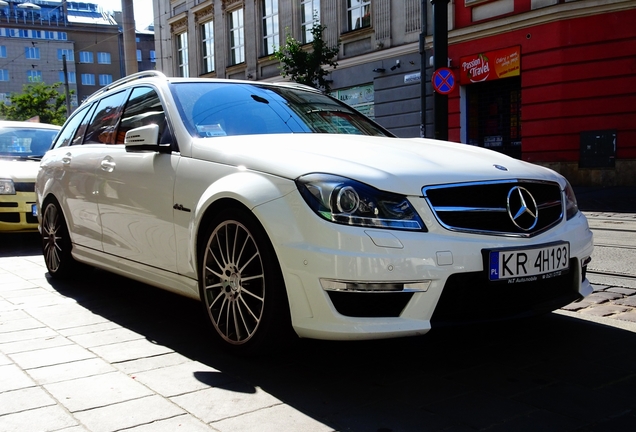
(19, 170)
(392, 164)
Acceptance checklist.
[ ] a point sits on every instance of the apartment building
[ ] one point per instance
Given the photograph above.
(38, 37)
(547, 81)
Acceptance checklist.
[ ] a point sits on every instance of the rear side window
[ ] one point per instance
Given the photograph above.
(104, 121)
(68, 132)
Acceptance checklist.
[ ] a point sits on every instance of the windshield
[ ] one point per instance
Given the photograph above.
(25, 142)
(212, 109)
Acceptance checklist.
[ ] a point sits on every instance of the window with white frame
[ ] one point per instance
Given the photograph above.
(70, 75)
(139, 55)
(182, 55)
(85, 57)
(358, 14)
(105, 79)
(103, 57)
(3, 51)
(32, 53)
(309, 16)
(70, 56)
(34, 75)
(153, 56)
(271, 41)
(207, 47)
(237, 36)
(88, 79)
(4, 75)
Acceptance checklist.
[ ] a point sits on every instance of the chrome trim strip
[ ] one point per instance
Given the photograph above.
(470, 209)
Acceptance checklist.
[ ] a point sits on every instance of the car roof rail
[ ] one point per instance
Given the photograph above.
(127, 79)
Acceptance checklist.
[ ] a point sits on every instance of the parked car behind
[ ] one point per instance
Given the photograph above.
(22, 144)
(282, 208)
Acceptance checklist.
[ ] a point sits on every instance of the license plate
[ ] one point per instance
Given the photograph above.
(34, 210)
(527, 265)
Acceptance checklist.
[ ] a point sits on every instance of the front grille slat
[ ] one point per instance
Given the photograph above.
(483, 207)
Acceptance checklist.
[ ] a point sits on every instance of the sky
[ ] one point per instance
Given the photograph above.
(143, 10)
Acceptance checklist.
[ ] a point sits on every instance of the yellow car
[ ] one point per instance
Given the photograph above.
(22, 145)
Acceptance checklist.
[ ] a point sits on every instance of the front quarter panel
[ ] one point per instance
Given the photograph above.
(201, 185)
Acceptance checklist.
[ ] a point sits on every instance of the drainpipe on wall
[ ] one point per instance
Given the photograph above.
(440, 60)
(423, 63)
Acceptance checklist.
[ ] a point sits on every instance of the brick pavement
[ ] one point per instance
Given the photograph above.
(107, 354)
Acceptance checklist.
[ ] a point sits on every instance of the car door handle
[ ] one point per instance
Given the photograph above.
(108, 165)
(66, 159)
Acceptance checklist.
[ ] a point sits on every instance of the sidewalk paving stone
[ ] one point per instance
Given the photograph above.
(50, 356)
(70, 371)
(52, 418)
(97, 391)
(128, 414)
(274, 419)
(52, 341)
(106, 337)
(136, 366)
(182, 378)
(130, 350)
(13, 378)
(216, 404)
(186, 423)
(23, 400)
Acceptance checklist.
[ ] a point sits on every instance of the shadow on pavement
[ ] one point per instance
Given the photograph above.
(20, 244)
(552, 373)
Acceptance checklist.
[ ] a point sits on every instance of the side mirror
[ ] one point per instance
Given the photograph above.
(145, 138)
(142, 136)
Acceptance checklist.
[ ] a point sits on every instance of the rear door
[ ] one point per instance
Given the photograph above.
(135, 189)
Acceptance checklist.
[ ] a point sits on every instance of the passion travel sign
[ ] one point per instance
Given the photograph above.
(490, 65)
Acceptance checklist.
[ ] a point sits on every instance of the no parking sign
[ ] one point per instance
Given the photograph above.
(443, 80)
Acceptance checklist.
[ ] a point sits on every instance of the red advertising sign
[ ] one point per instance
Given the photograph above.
(490, 65)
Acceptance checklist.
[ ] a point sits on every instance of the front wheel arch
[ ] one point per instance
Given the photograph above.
(220, 281)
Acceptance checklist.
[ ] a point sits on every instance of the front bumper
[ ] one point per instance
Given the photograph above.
(17, 214)
(450, 265)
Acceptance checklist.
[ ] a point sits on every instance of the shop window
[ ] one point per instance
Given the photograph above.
(494, 115)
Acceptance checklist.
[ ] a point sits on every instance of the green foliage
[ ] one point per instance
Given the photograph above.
(305, 66)
(37, 99)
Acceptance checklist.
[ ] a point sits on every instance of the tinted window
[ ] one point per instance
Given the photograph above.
(211, 109)
(142, 109)
(67, 134)
(104, 122)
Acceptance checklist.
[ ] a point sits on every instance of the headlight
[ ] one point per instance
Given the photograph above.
(7, 187)
(571, 206)
(345, 201)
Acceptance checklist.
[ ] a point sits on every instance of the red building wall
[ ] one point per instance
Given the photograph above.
(577, 75)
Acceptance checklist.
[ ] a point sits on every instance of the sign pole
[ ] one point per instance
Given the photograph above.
(440, 60)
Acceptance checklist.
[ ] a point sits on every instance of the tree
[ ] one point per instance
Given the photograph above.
(36, 100)
(305, 66)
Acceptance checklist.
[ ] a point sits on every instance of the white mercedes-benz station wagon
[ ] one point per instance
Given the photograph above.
(282, 208)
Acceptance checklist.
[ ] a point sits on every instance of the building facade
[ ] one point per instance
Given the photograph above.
(549, 81)
(40, 37)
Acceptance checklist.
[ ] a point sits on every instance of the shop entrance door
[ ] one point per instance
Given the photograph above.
(494, 115)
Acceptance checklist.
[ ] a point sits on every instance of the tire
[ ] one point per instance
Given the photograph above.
(56, 242)
(241, 285)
